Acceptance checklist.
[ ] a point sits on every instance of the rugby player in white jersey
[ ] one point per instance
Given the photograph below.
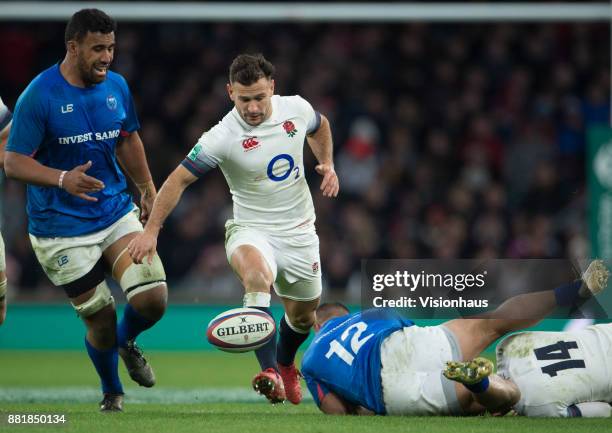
(6, 118)
(271, 241)
(560, 374)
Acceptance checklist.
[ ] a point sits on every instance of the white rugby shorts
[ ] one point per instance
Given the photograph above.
(67, 259)
(412, 362)
(292, 257)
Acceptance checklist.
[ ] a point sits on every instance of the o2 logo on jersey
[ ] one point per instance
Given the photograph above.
(280, 177)
(111, 102)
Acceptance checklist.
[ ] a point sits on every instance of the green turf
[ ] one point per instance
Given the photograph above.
(256, 418)
(186, 399)
(174, 369)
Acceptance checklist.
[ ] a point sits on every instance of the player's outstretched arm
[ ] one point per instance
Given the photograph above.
(131, 155)
(75, 181)
(322, 146)
(145, 244)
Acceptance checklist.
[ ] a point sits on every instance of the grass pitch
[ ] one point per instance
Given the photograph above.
(203, 392)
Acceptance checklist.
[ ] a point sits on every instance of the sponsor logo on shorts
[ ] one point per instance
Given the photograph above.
(315, 267)
(250, 144)
(63, 260)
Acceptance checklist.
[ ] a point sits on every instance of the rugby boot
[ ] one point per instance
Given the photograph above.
(270, 384)
(468, 372)
(291, 381)
(112, 403)
(137, 366)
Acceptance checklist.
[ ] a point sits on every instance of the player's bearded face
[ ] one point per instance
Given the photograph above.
(253, 101)
(95, 55)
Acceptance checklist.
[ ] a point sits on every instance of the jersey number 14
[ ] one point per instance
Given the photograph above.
(336, 348)
(559, 350)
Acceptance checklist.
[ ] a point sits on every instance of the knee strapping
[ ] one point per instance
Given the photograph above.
(100, 299)
(2, 255)
(138, 278)
(256, 299)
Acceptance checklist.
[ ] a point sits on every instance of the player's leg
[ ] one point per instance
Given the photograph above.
(256, 275)
(251, 257)
(97, 310)
(3, 282)
(294, 330)
(523, 311)
(298, 284)
(145, 288)
(64, 260)
(479, 390)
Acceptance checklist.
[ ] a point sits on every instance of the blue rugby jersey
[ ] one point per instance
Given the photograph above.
(344, 357)
(63, 126)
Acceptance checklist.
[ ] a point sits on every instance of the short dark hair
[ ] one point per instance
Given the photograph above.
(88, 20)
(247, 69)
(328, 310)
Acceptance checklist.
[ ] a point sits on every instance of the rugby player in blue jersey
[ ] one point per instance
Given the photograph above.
(6, 118)
(73, 128)
(376, 362)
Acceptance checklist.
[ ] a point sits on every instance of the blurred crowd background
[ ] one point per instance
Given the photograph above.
(451, 140)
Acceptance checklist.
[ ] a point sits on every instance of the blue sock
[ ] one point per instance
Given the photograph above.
(288, 343)
(479, 387)
(567, 294)
(131, 325)
(266, 355)
(106, 363)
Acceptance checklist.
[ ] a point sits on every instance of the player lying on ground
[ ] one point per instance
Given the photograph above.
(376, 362)
(77, 117)
(560, 374)
(272, 239)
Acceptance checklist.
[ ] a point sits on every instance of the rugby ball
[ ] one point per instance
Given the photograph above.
(241, 330)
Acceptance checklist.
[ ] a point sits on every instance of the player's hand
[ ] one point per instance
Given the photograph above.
(2, 311)
(76, 182)
(143, 245)
(147, 197)
(330, 184)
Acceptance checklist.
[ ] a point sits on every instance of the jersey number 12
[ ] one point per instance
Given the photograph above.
(335, 348)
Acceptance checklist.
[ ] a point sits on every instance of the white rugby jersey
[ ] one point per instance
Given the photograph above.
(263, 165)
(555, 370)
(5, 115)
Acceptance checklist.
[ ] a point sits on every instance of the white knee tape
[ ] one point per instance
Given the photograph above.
(142, 277)
(256, 299)
(100, 299)
(3, 285)
(2, 255)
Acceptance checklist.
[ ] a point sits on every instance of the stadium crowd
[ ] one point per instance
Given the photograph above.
(450, 140)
